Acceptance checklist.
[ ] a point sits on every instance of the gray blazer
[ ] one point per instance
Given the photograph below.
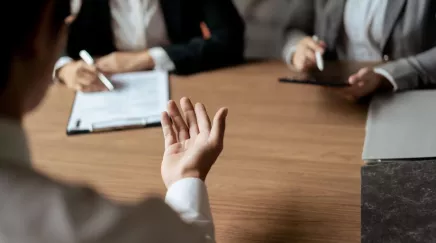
(408, 47)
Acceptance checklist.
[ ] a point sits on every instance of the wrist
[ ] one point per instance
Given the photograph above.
(292, 59)
(60, 74)
(193, 174)
(387, 81)
(145, 61)
(385, 84)
(170, 180)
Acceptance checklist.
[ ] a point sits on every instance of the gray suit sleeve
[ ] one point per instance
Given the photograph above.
(414, 72)
(301, 24)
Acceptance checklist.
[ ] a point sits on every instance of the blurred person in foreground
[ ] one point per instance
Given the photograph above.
(37, 209)
(400, 34)
(180, 36)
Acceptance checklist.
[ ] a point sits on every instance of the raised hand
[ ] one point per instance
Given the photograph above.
(192, 143)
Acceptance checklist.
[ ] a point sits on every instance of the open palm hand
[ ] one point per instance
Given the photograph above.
(191, 147)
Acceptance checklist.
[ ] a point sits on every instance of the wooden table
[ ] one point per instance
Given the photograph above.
(290, 170)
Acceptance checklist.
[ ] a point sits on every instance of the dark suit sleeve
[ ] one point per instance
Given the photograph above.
(224, 48)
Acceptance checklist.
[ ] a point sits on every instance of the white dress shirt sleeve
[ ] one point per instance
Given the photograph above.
(60, 63)
(41, 210)
(189, 198)
(161, 59)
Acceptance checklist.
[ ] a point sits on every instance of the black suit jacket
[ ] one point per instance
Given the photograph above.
(189, 51)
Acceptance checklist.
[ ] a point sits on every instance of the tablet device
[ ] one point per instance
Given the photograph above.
(329, 83)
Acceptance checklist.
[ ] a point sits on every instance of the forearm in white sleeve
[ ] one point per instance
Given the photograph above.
(190, 199)
(161, 59)
(65, 213)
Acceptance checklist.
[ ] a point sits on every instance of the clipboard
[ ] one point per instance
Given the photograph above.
(137, 102)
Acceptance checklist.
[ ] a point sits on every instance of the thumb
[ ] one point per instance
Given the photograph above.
(353, 79)
(363, 72)
(219, 127)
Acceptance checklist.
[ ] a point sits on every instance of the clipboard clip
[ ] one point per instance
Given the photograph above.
(115, 125)
(122, 124)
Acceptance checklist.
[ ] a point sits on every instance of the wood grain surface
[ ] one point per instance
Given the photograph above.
(290, 170)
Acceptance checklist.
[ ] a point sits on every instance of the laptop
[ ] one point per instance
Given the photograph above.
(401, 126)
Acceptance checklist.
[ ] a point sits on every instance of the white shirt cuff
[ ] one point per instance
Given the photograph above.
(161, 59)
(189, 198)
(60, 63)
(388, 76)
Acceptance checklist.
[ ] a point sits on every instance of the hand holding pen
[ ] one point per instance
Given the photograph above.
(83, 76)
(308, 54)
(88, 59)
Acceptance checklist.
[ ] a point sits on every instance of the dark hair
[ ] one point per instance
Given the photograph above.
(23, 25)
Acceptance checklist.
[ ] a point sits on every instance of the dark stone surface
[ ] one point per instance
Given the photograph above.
(399, 202)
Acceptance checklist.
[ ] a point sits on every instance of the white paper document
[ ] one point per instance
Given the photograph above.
(138, 100)
(401, 126)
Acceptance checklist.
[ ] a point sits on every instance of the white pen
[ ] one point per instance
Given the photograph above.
(88, 60)
(318, 56)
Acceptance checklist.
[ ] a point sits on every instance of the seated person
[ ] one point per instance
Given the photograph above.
(182, 36)
(399, 33)
(38, 209)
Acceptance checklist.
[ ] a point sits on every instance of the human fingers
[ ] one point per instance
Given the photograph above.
(190, 116)
(202, 118)
(178, 122)
(314, 45)
(167, 129)
(218, 128)
(359, 77)
(94, 87)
